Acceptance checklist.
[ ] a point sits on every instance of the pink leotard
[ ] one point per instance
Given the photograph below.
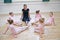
(50, 20)
(37, 17)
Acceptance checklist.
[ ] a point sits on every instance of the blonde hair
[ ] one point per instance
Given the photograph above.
(41, 20)
(51, 13)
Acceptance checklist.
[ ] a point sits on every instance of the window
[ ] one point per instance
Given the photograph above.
(45, 0)
(7, 1)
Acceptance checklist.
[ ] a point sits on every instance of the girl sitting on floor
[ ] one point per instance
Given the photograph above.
(15, 31)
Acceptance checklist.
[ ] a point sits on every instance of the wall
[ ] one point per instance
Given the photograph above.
(53, 5)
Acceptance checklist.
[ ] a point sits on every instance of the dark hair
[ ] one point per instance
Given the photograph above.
(10, 13)
(37, 11)
(25, 5)
(10, 21)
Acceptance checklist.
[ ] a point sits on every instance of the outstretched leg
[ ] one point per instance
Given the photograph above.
(13, 32)
(6, 30)
(21, 30)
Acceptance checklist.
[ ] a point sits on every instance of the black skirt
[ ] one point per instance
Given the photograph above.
(26, 19)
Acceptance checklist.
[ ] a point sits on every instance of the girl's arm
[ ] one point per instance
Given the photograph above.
(35, 15)
(17, 24)
(47, 24)
(29, 14)
(40, 15)
(22, 15)
(53, 22)
(35, 24)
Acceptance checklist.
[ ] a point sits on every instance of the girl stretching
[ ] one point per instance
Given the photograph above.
(14, 30)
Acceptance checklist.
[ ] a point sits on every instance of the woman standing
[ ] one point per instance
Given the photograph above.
(25, 15)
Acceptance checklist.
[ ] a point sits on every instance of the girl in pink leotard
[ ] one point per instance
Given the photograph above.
(51, 21)
(12, 16)
(14, 30)
(37, 16)
(39, 27)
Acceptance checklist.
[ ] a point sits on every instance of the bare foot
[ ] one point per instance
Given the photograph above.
(13, 35)
(36, 32)
(3, 33)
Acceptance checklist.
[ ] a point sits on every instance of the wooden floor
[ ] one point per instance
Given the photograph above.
(50, 33)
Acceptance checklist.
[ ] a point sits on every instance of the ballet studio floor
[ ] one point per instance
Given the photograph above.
(50, 32)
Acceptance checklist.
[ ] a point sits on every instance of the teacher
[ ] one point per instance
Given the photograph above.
(25, 14)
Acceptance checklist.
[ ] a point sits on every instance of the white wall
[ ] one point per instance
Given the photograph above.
(53, 5)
